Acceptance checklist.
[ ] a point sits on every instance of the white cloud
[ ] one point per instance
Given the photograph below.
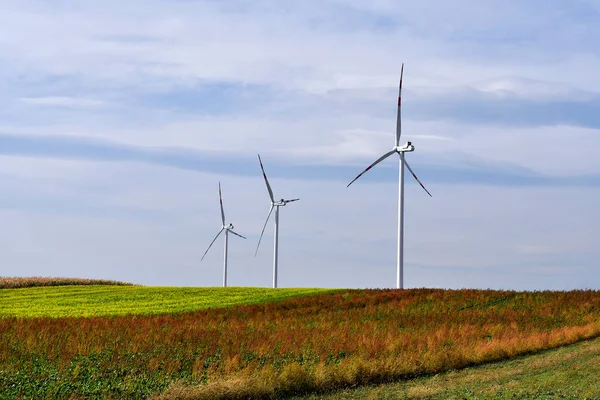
(63, 101)
(533, 90)
(331, 69)
(266, 43)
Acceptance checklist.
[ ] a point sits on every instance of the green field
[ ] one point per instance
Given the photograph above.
(570, 372)
(223, 343)
(102, 300)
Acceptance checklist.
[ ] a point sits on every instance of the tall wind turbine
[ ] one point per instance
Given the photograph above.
(400, 150)
(274, 205)
(227, 229)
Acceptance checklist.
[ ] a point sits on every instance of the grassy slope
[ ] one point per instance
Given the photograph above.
(338, 339)
(101, 300)
(570, 372)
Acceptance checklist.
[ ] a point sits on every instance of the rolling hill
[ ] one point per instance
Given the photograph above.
(196, 343)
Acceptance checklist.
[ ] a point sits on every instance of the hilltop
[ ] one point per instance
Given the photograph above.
(13, 282)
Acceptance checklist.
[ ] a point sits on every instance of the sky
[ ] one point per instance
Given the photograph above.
(119, 119)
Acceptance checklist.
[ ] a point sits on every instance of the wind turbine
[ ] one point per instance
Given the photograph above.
(400, 150)
(227, 229)
(274, 205)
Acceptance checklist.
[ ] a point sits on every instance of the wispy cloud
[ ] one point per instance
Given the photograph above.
(59, 101)
(470, 170)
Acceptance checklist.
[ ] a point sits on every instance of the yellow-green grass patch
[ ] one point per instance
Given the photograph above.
(102, 300)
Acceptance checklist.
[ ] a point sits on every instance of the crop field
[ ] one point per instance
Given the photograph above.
(306, 344)
(7, 282)
(105, 300)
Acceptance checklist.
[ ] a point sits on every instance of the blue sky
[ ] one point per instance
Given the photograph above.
(117, 121)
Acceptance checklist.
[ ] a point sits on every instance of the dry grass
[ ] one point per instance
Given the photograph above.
(570, 372)
(7, 282)
(436, 345)
(298, 380)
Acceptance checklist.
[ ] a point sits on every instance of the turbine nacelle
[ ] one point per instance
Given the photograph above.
(408, 147)
(228, 227)
(280, 203)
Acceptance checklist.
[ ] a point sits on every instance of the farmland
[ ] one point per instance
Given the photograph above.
(105, 300)
(300, 345)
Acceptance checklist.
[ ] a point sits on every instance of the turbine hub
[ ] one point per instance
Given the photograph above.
(408, 147)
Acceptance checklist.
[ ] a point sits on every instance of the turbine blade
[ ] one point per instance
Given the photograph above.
(221, 201)
(211, 243)
(399, 115)
(263, 229)
(380, 159)
(289, 201)
(266, 180)
(237, 234)
(415, 176)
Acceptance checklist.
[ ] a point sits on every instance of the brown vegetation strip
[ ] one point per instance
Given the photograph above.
(570, 372)
(7, 282)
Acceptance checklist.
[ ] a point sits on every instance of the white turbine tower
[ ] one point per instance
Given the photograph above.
(274, 205)
(400, 150)
(226, 229)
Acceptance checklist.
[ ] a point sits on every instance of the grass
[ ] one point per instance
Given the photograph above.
(103, 300)
(306, 344)
(570, 372)
(8, 282)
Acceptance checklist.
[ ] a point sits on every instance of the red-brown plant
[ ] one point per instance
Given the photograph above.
(8, 282)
